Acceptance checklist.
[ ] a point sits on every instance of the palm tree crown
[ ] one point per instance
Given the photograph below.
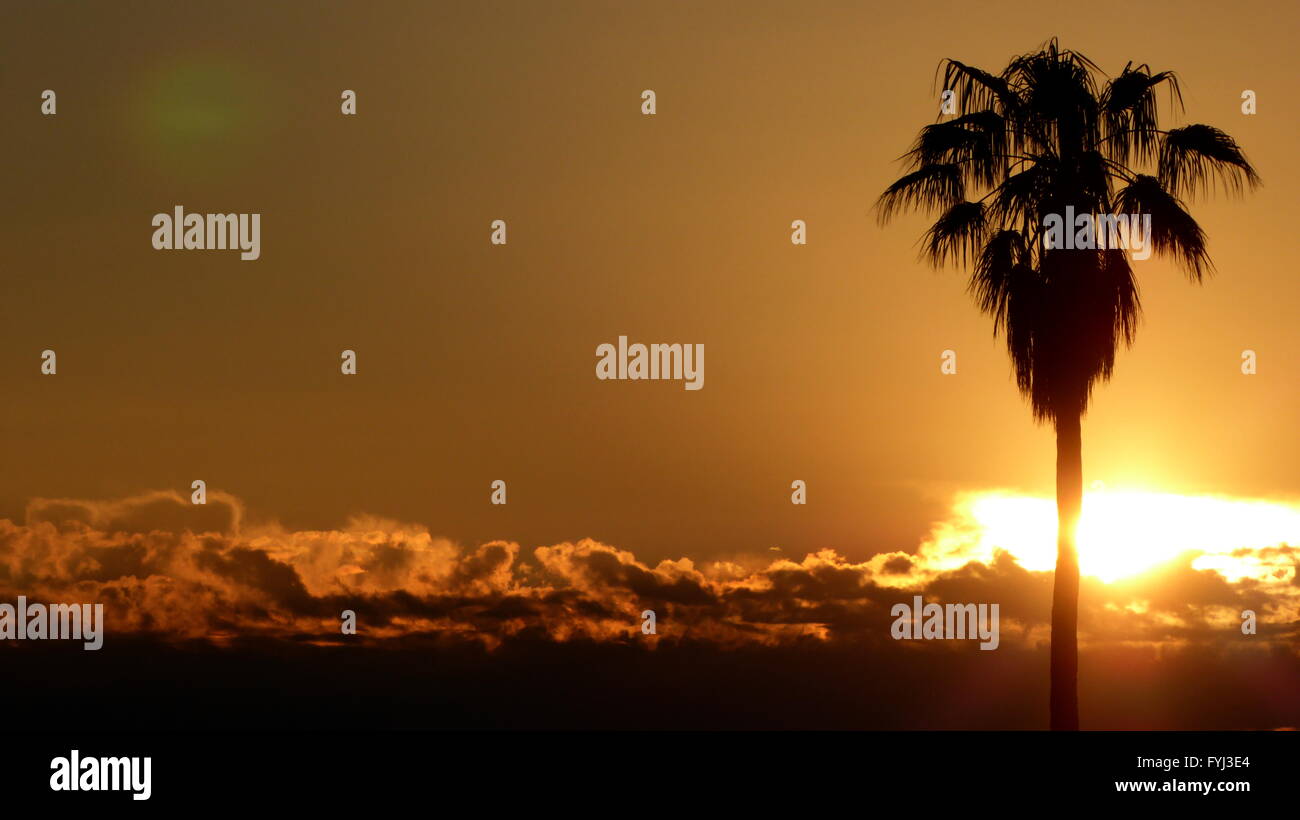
(1050, 132)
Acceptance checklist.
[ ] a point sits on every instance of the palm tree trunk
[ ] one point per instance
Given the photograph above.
(1065, 592)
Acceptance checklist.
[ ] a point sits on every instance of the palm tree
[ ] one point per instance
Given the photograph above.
(1052, 131)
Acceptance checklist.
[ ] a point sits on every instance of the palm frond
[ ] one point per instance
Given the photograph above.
(957, 235)
(977, 90)
(991, 281)
(975, 141)
(933, 186)
(1017, 199)
(1194, 157)
(1173, 230)
(1024, 312)
(1129, 110)
(1126, 304)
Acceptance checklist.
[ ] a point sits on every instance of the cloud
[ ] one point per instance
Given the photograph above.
(159, 510)
(164, 567)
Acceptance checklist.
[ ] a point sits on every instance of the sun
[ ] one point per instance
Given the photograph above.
(1123, 533)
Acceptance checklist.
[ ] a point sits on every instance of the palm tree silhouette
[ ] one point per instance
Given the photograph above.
(1052, 131)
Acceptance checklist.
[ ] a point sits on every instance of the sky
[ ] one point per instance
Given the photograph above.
(476, 361)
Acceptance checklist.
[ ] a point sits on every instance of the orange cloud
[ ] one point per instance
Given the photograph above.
(161, 565)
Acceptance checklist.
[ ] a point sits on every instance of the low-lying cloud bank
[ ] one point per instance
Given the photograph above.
(163, 567)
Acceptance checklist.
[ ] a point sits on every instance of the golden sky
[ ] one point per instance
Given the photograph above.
(476, 361)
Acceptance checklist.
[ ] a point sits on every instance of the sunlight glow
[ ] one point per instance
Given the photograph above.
(1123, 533)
